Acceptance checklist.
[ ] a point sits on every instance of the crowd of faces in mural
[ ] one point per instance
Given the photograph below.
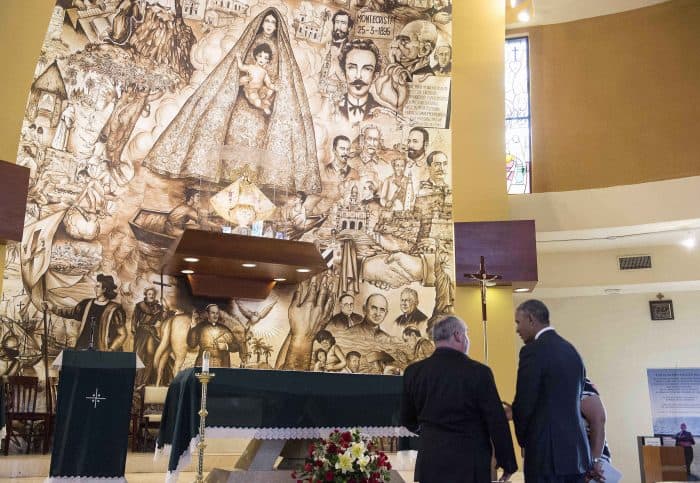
(323, 121)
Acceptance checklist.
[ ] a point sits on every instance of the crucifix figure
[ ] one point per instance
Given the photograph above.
(485, 279)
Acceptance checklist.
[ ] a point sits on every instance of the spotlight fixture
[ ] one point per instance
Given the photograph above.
(248, 265)
(191, 259)
(523, 16)
(303, 270)
(280, 279)
(521, 289)
(187, 271)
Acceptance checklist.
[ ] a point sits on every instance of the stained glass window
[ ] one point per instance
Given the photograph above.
(517, 75)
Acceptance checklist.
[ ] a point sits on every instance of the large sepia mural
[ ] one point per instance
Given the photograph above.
(324, 121)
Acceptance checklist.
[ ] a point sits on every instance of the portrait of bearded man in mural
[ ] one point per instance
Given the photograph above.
(280, 146)
(145, 326)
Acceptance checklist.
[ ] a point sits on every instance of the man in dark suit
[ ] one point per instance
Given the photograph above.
(547, 406)
(347, 317)
(452, 402)
(410, 313)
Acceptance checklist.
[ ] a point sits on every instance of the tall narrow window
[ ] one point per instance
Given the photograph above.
(518, 153)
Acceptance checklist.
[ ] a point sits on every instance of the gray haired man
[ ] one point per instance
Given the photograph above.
(452, 402)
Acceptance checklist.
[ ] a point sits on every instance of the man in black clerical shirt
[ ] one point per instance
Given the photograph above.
(347, 317)
(452, 402)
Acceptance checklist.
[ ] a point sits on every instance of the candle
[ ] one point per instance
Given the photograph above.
(205, 362)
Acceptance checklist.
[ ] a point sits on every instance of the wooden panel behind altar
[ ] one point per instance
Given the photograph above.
(322, 121)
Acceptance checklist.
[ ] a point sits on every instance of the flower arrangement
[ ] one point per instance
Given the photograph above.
(345, 457)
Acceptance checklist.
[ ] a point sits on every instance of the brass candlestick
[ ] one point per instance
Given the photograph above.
(204, 377)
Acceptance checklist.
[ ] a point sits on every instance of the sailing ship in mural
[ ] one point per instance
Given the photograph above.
(322, 121)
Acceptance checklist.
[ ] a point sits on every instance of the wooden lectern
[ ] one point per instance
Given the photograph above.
(14, 184)
(662, 463)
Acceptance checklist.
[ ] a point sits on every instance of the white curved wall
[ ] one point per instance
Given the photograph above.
(637, 204)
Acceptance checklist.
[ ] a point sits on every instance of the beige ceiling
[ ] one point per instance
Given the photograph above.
(558, 11)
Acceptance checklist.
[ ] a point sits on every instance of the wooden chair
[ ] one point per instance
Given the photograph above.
(50, 423)
(21, 412)
(151, 411)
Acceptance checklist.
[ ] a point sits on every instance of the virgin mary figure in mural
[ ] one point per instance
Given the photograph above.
(279, 146)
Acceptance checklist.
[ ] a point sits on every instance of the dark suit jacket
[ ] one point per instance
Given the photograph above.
(547, 408)
(368, 106)
(414, 317)
(454, 401)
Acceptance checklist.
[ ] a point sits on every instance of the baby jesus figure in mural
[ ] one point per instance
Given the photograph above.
(257, 85)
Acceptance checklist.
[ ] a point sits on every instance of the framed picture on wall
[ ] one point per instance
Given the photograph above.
(661, 309)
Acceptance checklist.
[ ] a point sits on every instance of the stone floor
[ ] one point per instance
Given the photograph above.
(140, 468)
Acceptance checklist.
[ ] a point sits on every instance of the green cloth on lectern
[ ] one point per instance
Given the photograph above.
(253, 398)
(92, 414)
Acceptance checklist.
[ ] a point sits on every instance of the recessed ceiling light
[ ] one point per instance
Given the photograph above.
(191, 259)
(521, 289)
(187, 271)
(523, 16)
(248, 265)
(280, 279)
(303, 270)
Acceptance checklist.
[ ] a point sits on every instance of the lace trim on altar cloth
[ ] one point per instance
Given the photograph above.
(185, 458)
(270, 433)
(301, 433)
(84, 479)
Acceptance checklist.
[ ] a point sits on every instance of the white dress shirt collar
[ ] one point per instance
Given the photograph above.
(542, 331)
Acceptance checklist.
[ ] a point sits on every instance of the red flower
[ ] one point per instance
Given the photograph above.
(312, 448)
(294, 474)
(319, 463)
(329, 475)
(346, 437)
(332, 448)
(307, 467)
(388, 465)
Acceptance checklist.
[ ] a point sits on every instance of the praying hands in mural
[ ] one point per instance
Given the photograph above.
(311, 308)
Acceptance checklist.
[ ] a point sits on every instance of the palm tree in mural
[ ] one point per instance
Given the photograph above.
(258, 345)
(267, 352)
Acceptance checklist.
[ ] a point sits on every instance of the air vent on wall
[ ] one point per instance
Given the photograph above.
(634, 262)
